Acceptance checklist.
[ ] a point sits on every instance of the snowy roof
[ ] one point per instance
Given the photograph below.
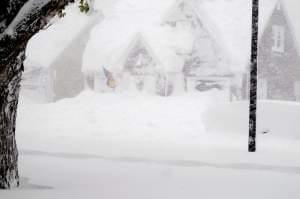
(111, 50)
(111, 39)
(48, 44)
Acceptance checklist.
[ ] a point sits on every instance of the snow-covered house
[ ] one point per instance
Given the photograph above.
(143, 67)
(278, 53)
(278, 58)
(205, 64)
(157, 46)
(279, 35)
(58, 50)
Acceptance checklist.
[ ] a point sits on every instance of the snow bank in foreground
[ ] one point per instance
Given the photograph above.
(142, 125)
(139, 146)
(279, 119)
(80, 177)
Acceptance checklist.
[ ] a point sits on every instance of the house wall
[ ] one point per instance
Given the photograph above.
(37, 84)
(280, 70)
(137, 83)
(68, 79)
(154, 84)
(216, 83)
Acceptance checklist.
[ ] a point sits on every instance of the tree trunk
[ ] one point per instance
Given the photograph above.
(253, 79)
(19, 21)
(10, 79)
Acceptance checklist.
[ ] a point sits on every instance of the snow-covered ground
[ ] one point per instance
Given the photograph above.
(141, 146)
(62, 176)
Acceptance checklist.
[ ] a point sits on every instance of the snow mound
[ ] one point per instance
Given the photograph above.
(276, 118)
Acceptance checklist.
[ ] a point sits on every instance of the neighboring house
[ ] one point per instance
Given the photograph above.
(205, 64)
(278, 59)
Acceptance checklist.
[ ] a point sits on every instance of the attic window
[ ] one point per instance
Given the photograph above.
(140, 60)
(278, 6)
(278, 38)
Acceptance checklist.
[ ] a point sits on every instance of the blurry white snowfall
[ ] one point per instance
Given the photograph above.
(139, 146)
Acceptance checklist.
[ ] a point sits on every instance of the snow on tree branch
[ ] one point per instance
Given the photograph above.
(28, 9)
(25, 21)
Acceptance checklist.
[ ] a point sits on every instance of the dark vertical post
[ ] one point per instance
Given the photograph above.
(253, 78)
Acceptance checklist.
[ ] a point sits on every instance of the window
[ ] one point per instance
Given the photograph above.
(278, 6)
(278, 38)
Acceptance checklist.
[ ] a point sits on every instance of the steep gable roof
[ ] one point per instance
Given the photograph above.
(139, 42)
(280, 15)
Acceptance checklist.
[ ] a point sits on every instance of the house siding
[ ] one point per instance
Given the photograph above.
(280, 69)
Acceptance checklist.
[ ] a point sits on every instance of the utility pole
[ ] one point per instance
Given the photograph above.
(253, 78)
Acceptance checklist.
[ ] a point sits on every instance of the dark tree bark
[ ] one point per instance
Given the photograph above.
(9, 91)
(15, 31)
(253, 78)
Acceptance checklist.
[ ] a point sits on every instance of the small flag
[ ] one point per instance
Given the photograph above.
(107, 74)
(110, 80)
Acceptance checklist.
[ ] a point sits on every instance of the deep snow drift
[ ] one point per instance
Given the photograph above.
(178, 127)
(116, 122)
(141, 146)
